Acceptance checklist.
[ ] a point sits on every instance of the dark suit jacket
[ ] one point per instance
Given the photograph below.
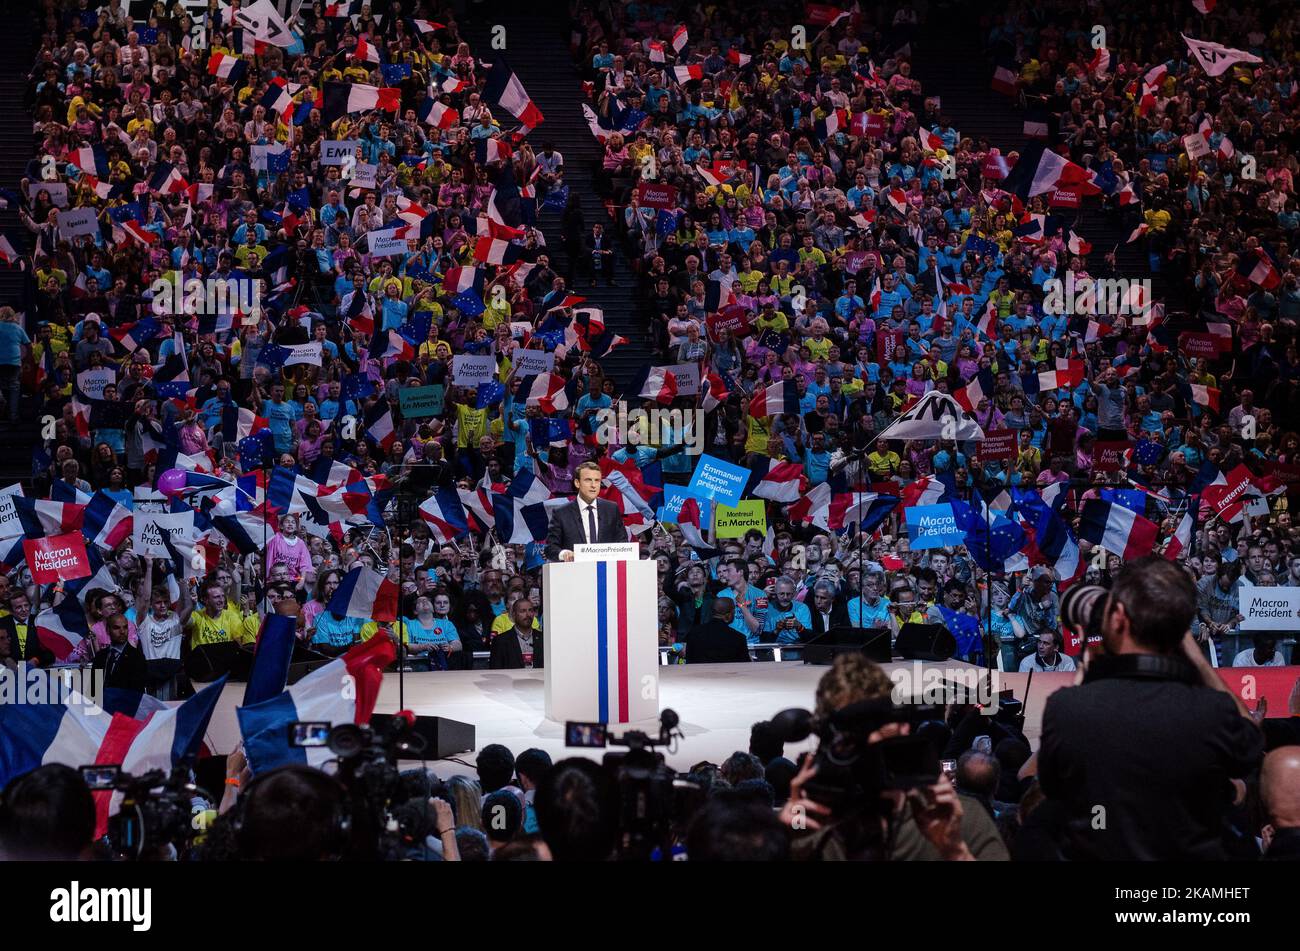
(566, 527)
(508, 655)
(839, 618)
(34, 651)
(716, 643)
(131, 672)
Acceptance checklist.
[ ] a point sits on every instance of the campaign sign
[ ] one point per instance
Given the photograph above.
(674, 496)
(998, 445)
(734, 318)
(933, 526)
(363, 176)
(76, 222)
(305, 353)
(259, 154)
(1108, 454)
(145, 499)
(718, 480)
(9, 524)
(147, 531)
(1270, 609)
(869, 124)
(58, 192)
(656, 195)
(733, 521)
(57, 558)
(421, 401)
(886, 342)
(336, 151)
(1195, 344)
(688, 378)
(92, 382)
(1065, 198)
(470, 369)
(532, 362)
(1196, 145)
(384, 244)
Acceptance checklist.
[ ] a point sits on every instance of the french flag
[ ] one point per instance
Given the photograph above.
(167, 180)
(518, 521)
(460, 279)
(343, 691)
(78, 733)
(866, 510)
(249, 531)
(1052, 538)
(379, 426)
(339, 99)
(660, 385)
(680, 36)
(814, 506)
(391, 344)
(60, 629)
(445, 516)
(41, 517)
(713, 392)
(545, 390)
(1181, 540)
(276, 100)
(692, 72)
(778, 481)
(434, 113)
(736, 58)
(504, 88)
(775, 400)
(91, 159)
(689, 522)
(1005, 81)
(478, 505)
(365, 53)
(927, 490)
(1206, 396)
(365, 593)
(657, 54)
(228, 67)
(495, 247)
(107, 522)
(427, 26)
(897, 200)
(1117, 529)
(136, 231)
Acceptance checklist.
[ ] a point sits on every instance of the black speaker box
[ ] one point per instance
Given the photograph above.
(925, 642)
(442, 736)
(873, 641)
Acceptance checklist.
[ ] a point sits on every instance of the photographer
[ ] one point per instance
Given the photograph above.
(923, 823)
(1141, 754)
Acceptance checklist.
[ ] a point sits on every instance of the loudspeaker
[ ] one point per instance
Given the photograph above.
(304, 661)
(873, 641)
(442, 736)
(208, 662)
(925, 642)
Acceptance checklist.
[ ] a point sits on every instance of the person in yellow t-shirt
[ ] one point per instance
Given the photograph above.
(218, 623)
(883, 462)
(760, 431)
(471, 425)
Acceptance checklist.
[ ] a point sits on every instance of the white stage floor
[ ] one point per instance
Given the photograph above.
(717, 705)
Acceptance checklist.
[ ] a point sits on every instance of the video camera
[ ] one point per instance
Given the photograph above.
(653, 799)
(852, 770)
(158, 809)
(367, 767)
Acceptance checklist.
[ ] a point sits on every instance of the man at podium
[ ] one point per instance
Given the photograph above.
(587, 520)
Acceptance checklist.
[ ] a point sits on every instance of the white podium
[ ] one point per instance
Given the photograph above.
(601, 641)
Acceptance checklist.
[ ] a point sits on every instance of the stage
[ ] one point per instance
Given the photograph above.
(717, 705)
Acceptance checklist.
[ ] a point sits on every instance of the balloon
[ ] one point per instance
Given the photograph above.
(172, 482)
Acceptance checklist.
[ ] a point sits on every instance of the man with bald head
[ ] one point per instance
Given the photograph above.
(716, 641)
(1279, 789)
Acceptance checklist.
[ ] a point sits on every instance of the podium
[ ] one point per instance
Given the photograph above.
(601, 641)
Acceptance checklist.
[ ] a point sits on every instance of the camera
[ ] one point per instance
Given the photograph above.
(852, 771)
(653, 799)
(1082, 609)
(366, 761)
(158, 810)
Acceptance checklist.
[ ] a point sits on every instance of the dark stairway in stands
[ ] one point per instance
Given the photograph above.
(17, 53)
(949, 61)
(537, 49)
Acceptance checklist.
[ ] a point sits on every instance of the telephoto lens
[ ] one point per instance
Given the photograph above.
(1081, 608)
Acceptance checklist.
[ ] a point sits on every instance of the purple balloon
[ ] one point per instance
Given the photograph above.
(172, 482)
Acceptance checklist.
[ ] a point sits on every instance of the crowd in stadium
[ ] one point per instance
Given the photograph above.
(830, 252)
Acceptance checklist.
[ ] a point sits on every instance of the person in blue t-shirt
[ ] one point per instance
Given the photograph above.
(280, 415)
(787, 621)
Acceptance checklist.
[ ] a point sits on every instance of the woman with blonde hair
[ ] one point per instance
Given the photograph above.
(466, 801)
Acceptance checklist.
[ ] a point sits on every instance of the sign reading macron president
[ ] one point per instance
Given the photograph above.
(718, 480)
(57, 558)
(932, 526)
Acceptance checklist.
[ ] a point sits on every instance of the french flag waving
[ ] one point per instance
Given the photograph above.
(365, 593)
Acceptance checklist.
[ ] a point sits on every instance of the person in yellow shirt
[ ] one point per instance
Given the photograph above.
(769, 318)
(760, 432)
(504, 622)
(883, 462)
(218, 623)
(471, 424)
(1157, 219)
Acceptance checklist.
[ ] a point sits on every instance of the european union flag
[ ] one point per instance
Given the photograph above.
(632, 119)
(550, 338)
(411, 159)
(273, 355)
(665, 222)
(255, 450)
(546, 430)
(299, 200)
(89, 19)
(355, 387)
(1148, 452)
(966, 630)
(489, 394)
(477, 346)
(277, 163)
(148, 35)
(418, 272)
(394, 73)
(131, 211)
(468, 303)
(774, 340)
(556, 199)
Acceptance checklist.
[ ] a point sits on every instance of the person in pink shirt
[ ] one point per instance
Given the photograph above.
(107, 606)
(285, 546)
